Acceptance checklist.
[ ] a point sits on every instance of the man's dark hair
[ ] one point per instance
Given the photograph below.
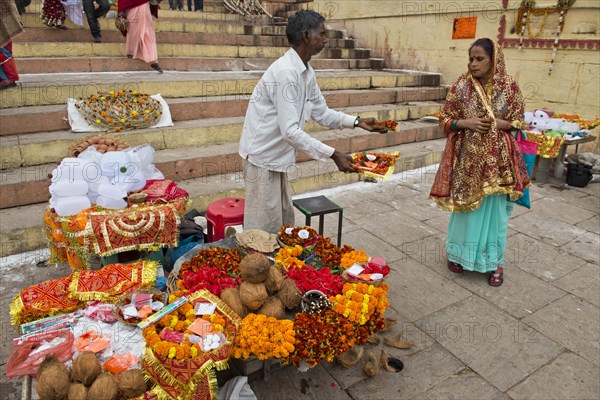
(300, 22)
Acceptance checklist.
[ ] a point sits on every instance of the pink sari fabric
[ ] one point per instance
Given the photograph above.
(141, 39)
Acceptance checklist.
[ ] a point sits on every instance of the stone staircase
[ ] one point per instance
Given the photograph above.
(212, 61)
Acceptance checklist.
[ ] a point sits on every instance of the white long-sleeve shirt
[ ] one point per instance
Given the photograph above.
(282, 101)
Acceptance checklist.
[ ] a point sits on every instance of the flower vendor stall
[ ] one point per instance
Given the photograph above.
(554, 133)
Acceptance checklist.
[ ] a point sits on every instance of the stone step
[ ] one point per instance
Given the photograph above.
(22, 227)
(51, 147)
(234, 26)
(36, 65)
(209, 8)
(35, 35)
(44, 35)
(46, 89)
(29, 185)
(88, 49)
(53, 118)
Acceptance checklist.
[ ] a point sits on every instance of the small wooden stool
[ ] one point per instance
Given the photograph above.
(320, 205)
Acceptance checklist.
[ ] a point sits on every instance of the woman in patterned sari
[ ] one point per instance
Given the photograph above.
(482, 167)
(53, 14)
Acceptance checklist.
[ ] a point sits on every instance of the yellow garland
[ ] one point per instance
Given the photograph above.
(265, 337)
(287, 256)
(359, 301)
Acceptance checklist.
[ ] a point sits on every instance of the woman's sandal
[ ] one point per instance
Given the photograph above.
(454, 267)
(497, 277)
(129, 55)
(157, 67)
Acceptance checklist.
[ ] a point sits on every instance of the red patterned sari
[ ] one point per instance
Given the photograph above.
(474, 165)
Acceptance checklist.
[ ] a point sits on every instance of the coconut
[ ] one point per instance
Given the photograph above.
(253, 295)
(274, 280)
(131, 383)
(289, 294)
(77, 391)
(103, 388)
(272, 308)
(86, 368)
(52, 380)
(254, 268)
(231, 297)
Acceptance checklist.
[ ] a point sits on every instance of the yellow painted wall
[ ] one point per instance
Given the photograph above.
(418, 35)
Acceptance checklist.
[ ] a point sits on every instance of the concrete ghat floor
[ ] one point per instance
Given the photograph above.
(535, 337)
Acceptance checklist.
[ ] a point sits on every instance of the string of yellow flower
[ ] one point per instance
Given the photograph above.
(265, 337)
(359, 301)
(286, 256)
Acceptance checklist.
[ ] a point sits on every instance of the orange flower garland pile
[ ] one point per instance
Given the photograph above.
(179, 321)
(353, 257)
(288, 256)
(265, 337)
(359, 301)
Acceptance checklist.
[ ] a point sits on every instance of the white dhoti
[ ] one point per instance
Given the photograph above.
(268, 199)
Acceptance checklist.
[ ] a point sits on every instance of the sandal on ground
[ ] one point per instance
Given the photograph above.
(497, 277)
(129, 55)
(157, 67)
(454, 267)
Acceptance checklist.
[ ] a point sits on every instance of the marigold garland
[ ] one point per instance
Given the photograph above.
(265, 337)
(359, 301)
(288, 256)
(353, 257)
(227, 260)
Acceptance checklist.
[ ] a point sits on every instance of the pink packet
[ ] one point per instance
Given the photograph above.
(170, 335)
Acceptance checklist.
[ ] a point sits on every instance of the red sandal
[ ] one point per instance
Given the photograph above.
(454, 267)
(497, 277)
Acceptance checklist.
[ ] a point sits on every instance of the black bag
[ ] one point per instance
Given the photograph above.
(190, 235)
(579, 174)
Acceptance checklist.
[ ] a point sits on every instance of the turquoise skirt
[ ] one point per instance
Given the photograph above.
(477, 239)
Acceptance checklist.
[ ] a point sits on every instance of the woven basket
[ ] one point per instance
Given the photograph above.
(122, 300)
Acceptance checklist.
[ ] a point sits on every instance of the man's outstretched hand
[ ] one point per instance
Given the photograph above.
(369, 124)
(343, 161)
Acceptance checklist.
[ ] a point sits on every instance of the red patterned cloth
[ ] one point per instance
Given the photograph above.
(112, 281)
(476, 165)
(42, 300)
(137, 228)
(145, 227)
(163, 190)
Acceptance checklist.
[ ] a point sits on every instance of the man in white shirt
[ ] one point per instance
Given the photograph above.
(282, 101)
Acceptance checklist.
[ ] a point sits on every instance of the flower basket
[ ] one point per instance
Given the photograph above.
(375, 166)
(157, 295)
(303, 236)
